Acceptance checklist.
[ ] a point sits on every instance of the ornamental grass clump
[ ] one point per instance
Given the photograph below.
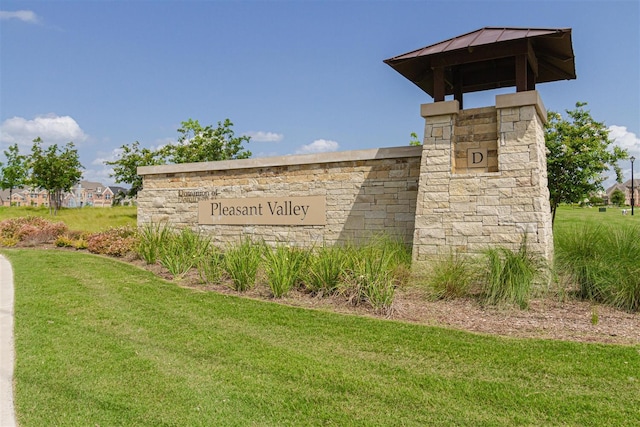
(183, 251)
(153, 238)
(241, 263)
(579, 255)
(284, 268)
(451, 276)
(510, 275)
(375, 270)
(211, 266)
(324, 270)
(603, 262)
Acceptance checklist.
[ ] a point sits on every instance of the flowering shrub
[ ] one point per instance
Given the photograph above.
(30, 230)
(115, 241)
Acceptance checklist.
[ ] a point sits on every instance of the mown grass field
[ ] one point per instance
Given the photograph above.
(574, 215)
(88, 219)
(100, 342)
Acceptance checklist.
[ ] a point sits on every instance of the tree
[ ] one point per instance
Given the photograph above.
(206, 144)
(55, 170)
(618, 198)
(578, 152)
(195, 144)
(125, 169)
(14, 173)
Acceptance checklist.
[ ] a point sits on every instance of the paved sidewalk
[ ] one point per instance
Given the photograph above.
(7, 415)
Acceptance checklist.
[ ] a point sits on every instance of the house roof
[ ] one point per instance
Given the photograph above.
(624, 186)
(90, 185)
(488, 59)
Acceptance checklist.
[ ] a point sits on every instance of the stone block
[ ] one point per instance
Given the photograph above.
(467, 228)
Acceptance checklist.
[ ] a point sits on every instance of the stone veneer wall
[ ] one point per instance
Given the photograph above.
(469, 212)
(367, 192)
(426, 195)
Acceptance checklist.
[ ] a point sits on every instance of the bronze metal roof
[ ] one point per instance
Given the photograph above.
(489, 58)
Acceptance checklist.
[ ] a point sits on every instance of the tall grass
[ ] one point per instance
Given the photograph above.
(153, 238)
(375, 270)
(325, 267)
(451, 276)
(241, 262)
(183, 251)
(211, 266)
(510, 275)
(603, 262)
(284, 268)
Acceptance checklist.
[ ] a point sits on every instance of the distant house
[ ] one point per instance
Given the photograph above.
(89, 193)
(25, 197)
(626, 189)
(85, 193)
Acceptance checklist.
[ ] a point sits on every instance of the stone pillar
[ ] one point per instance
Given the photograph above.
(433, 202)
(468, 209)
(522, 157)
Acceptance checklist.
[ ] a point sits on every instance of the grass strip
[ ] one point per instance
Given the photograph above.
(100, 342)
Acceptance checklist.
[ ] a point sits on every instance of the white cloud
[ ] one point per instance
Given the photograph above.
(261, 136)
(628, 141)
(625, 139)
(318, 146)
(51, 128)
(21, 15)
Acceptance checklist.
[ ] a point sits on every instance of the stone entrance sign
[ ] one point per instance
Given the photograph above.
(478, 181)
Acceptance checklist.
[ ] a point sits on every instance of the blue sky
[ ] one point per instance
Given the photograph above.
(298, 76)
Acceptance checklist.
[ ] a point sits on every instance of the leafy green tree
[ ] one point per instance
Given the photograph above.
(195, 144)
(13, 174)
(618, 198)
(55, 170)
(578, 152)
(206, 144)
(125, 169)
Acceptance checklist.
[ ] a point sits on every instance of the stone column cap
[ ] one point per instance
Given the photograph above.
(442, 108)
(521, 99)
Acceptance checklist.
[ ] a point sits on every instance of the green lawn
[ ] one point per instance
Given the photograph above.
(89, 219)
(572, 215)
(100, 342)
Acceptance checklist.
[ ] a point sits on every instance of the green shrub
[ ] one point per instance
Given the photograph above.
(64, 242)
(80, 243)
(8, 241)
(451, 276)
(284, 267)
(118, 241)
(241, 262)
